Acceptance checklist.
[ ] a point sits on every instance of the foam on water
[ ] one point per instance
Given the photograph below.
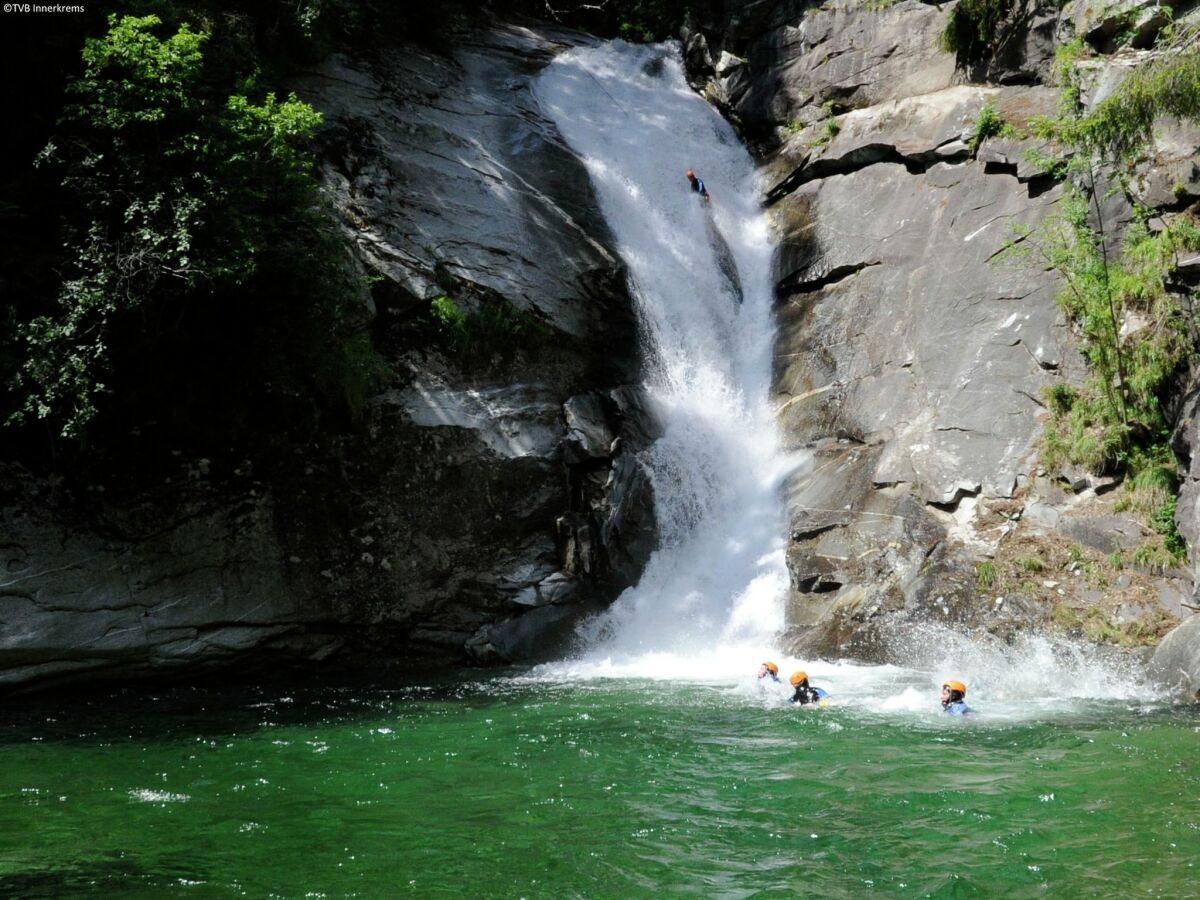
(149, 795)
(1035, 677)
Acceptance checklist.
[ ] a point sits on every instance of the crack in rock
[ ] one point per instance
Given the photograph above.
(796, 283)
(860, 158)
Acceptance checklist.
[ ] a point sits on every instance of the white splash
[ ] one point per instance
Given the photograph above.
(149, 795)
(1035, 678)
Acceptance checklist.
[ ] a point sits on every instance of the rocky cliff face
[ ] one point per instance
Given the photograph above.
(491, 495)
(913, 356)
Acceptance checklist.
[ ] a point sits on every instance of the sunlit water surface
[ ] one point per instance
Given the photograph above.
(527, 786)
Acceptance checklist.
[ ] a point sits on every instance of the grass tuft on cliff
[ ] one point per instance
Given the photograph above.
(1132, 319)
(973, 28)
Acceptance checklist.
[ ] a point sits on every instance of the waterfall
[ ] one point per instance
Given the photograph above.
(701, 275)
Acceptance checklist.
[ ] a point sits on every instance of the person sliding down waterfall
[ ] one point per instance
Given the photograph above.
(953, 693)
(698, 185)
(805, 693)
(769, 670)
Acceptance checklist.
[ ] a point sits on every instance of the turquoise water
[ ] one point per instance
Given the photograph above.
(516, 787)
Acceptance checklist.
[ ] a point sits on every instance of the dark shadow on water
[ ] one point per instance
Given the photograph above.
(96, 878)
(214, 708)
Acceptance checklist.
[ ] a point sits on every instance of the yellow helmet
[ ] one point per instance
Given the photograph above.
(956, 686)
(690, 173)
(798, 677)
(771, 667)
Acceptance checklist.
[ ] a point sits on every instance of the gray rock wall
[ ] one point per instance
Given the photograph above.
(913, 352)
(512, 481)
(135, 590)
(489, 498)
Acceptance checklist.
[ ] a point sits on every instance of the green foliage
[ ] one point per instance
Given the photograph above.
(1099, 424)
(187, 204)
(1150, 492)
(1082, 439)
(1066, 75)
(828, 131)
(989, 124)
(1065, 616)
(493, 327)
(1094, 624)
(142, 214)
(132, 76)
(1163, 521)
(1061, 397)
(973, 27)
(636, 33)
(1124, 24)
(985, 574)
(1154, 554)
(1120, 127)
(1096, 627)
(1134, 332)
(1168, 35)
(450, 322)
(1154, 473)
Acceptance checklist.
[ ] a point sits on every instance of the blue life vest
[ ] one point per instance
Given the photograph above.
(821, 693)
(958, 708)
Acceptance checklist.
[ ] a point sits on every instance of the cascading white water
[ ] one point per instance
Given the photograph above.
(701, 273)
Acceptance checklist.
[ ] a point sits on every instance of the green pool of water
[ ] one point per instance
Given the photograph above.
(514, 788)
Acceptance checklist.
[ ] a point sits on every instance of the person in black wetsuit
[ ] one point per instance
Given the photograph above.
(805, 693)
(697, 185)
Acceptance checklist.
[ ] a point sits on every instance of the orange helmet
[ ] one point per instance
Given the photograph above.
(798, 677)
(691, 174)
(956, 686)
(771, 667)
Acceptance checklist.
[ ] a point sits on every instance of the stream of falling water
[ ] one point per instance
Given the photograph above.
(701, 274)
